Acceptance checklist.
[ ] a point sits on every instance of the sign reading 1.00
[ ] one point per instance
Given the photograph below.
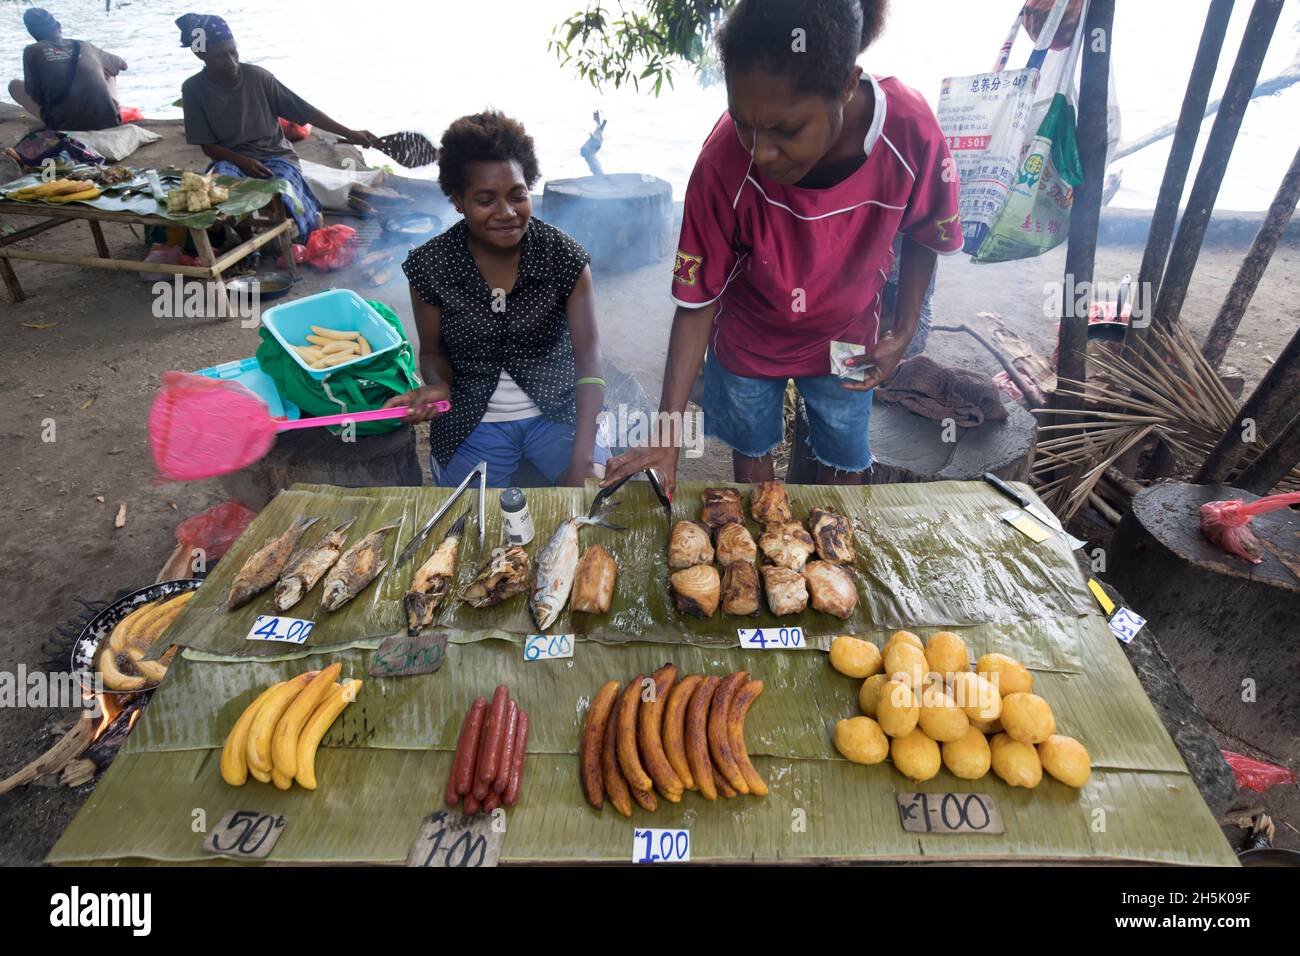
(661, 846)
(773, 638)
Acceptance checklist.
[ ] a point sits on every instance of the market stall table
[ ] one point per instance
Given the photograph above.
(142, 211)
(929, 556)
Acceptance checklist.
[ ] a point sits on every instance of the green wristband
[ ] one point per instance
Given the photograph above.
(592, 381)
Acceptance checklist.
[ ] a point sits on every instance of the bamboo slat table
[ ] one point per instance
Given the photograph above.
(274, 226)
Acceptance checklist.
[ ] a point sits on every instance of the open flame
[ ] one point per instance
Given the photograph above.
(110, 707)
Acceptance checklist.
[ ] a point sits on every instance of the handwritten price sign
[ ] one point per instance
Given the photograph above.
(949, 813)
(246, 834)
(540, 647)
(774, 638)
(285, 630)
(449, 839)
(661, 846)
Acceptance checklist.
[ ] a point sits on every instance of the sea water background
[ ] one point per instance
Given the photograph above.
(417, 64)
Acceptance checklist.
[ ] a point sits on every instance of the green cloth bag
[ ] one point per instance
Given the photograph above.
(1036, 214)
(358, 388)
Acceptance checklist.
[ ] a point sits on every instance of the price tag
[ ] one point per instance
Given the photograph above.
(949, 813)
(540, 647)
(661, 846)
(402, 656)
(449, 838)
(285, 630)
(772, 638)
(245, 834)
(1124, 624)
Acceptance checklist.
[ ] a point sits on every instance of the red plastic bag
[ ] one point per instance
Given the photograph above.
(131, 114)
(1225, 523)
(331, 247)
(1256, 774)
(215, 530)
(293, 132)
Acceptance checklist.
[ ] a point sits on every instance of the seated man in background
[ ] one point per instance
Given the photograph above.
(66, 84)
(232, 111)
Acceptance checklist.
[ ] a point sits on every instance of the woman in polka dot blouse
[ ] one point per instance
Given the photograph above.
(506, 315)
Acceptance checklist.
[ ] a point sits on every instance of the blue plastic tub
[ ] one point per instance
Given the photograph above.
(339, 309)
(250, 375)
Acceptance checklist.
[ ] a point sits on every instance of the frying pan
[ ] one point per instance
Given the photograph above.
(102, 624)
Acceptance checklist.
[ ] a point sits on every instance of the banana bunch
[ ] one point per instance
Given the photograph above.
(276, 737)
(57, 191)
(196, 194)
(120, 658)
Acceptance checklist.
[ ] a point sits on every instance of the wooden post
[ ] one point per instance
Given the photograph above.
(1161, 233)
(203, 246)
(1253, 266)
(101, 246)
(1275, 463)
(1275, 401)
(1081, 252)
(11, 281)
(1223, 136)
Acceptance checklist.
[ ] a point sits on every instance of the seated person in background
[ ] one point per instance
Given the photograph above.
(232, 110)
(506, 315)
(66, 84)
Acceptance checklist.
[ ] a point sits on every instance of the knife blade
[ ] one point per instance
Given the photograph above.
(1037, 511)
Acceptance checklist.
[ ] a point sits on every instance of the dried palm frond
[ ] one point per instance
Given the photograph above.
(1166, 389)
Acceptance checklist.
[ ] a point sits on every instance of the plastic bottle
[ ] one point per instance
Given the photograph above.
(518, 519)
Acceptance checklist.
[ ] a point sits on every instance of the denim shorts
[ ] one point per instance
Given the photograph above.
(747, 414)
(505, 445)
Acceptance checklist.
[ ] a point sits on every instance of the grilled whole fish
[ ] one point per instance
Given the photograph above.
(432, 581)
(504, 576)
(308, 566)
(357, 567)
(556, 567)
(262, 569)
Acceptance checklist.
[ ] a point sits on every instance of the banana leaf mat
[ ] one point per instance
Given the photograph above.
(928, 555)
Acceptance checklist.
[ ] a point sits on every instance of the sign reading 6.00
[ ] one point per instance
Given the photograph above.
(538, 647)
(285, 630)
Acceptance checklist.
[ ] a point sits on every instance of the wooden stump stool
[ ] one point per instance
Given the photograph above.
(624, 220)
(1230, 628)
(317, 456)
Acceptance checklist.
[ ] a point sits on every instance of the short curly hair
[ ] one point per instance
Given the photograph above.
(489, 136)
(761, 35)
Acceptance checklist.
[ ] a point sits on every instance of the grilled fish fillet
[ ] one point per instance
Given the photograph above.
(770, 504)
(786, 591)
(740, 590)
(833, 535)
(689, 545)
(357, 567)
(735, 543)
(721, 506)
(504, 576)
(593, 587)
(787, 545)
(831, 587)
(432, 581)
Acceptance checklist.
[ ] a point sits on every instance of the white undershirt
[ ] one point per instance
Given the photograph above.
(510, 403)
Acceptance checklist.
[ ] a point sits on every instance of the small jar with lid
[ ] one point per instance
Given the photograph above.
(518, 519)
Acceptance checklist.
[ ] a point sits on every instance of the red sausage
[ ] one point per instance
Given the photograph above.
(472, 805)
(492, 802)
(462, 767)
(507, 749)
(480, 788)
(489, 754)
(511, 796)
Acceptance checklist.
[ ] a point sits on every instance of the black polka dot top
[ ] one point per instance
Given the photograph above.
(529, 339)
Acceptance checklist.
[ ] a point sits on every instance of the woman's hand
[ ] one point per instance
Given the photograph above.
(362, 137)
(577, 474)
(880, 361)
(255, 168)
(421, 402)
(661, 459)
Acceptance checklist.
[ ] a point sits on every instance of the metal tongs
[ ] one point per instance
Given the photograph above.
(607, 493)
(414, 544)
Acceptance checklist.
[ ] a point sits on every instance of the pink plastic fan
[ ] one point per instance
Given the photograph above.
(203, 427)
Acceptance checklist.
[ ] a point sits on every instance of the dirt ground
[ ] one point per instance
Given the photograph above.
(85, 353)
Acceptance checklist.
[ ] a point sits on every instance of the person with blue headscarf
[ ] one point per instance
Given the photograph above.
(66, 84)
(232, 112)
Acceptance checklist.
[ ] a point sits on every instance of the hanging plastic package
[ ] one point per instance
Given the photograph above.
(1227, 523)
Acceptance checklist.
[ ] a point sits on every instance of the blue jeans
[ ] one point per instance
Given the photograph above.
(504, 445)
(747, 414)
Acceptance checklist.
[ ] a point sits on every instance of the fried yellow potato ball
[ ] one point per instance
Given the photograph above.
(969, 756)
(915, 756)
(947, 654)
(976, 695)
(907, 637)
(1066, 760)
(896, 709)
(861, 740)
(1027, 718)
(940, 717)
(987, 727)
(1008, 675)
(854, 657)
(870, 693)
(906, 663)
(1016, 763)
